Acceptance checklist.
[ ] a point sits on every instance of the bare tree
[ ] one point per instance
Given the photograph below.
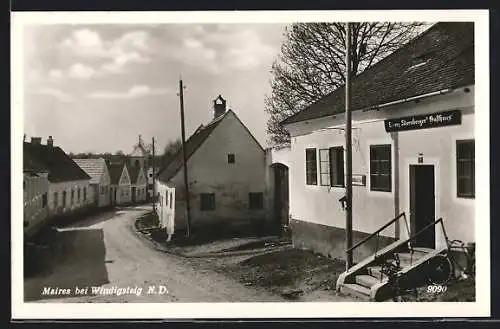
(312, 63)
(171, 149)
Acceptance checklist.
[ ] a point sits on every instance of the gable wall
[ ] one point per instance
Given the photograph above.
(210, 172)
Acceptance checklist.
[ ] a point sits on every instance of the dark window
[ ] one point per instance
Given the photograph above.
(84, 194)
(337, 166)
(170, 200)
(44, 200)
(56, 199)
(78, 194)
(380, 168)
(207, 201)
(72, 196)
(466, 177)
(256, 200)
(230, 158)
(311, 167)
(324, 167)
(64, 198)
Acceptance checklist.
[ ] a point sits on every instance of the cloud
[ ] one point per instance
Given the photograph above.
(53, 92)
(81, 71)
(218, 47)
(86, 43)
(137, 91)
(55, 74)
(130, 48)
(119, 63)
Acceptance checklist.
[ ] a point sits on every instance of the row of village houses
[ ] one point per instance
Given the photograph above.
(56, 185)
(413, 153)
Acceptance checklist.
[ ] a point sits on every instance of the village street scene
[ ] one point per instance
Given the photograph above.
(301, 162)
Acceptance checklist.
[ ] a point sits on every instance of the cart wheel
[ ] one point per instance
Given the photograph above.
(439, 270)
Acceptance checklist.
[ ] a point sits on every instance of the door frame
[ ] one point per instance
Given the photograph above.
(439, 239)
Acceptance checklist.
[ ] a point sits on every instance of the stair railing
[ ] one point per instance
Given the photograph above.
(428, 226)
(377, 233)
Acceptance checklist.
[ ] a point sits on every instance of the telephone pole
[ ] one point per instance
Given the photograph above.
(348, 145)
(154, 178)
(184, 160)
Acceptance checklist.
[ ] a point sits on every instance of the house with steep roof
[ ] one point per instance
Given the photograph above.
(138, 184)
(68, 185)
(226, 173)
(99, 179)
(120, 184)
(413, 151)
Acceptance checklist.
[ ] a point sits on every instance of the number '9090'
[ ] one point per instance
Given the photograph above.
(436, 289)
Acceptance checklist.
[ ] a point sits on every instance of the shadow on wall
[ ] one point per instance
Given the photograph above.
(78, 259)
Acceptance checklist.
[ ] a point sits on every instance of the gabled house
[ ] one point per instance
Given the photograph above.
(413, 150)
(138, 184)
(100, 179)
(120, 184)
(35, 192)
(68, 185)
(226, 171)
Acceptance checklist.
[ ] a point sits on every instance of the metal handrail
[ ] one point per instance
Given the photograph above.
(377, 232)
(437, 221)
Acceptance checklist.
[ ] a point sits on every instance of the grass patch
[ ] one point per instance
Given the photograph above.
(288, 270)
(147, 221)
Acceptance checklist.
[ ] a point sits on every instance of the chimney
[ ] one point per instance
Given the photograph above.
(36, 140)
(50, 142)
(219, 106)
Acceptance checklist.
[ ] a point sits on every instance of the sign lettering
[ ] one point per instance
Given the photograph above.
(433, 120)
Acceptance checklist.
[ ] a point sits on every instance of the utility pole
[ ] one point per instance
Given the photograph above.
(154, 178)
(348, 146)
(184, 160)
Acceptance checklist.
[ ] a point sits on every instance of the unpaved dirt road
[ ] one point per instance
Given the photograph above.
(104, 251)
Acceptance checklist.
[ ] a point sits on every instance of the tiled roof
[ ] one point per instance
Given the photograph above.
(60, 166)
(192, 144)
(93, 167)
(115, 172)
(31, 164)
(440, 58)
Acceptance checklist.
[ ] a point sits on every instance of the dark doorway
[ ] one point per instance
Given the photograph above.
(281, 196)
(422, 204)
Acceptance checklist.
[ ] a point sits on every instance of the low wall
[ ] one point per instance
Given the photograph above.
(330, 241)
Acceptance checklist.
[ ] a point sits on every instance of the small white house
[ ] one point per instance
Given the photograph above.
(100, 180)
(138, 184)
(120, 184)
(227, 175)
(413, 150)
(69, 186)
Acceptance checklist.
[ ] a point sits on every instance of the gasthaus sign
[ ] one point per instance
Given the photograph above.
(432, 120)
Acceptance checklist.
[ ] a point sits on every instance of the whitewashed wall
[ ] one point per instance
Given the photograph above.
(319, 204)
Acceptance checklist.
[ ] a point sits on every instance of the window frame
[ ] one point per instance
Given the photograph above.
(340, 175)
(207, 205)
(231, 158)
(379, 172)
(311, 171)
(324, 171)
(472, 162)
(260, 204)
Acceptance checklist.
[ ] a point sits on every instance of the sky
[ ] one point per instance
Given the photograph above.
(95, 88)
